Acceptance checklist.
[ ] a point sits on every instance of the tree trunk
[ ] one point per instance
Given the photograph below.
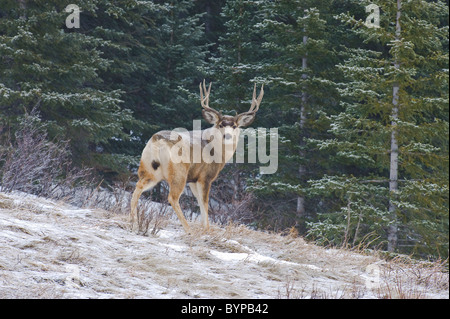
(393, 175)
(393, 171)
(302, 168)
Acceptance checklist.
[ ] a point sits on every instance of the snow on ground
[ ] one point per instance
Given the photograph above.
(51, 250)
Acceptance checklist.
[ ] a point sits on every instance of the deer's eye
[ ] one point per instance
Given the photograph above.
(234, 126)
(220, 125)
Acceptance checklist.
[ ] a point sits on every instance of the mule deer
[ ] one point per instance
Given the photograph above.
(158, 157)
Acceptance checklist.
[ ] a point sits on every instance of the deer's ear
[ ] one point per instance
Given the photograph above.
(245, 119)
(210, 116)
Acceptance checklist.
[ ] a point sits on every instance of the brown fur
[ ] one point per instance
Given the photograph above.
(156, 163)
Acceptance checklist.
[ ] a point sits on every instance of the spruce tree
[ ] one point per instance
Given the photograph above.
(299, 69)
(234, 67)
(47, 66)
(391, 140)
(178, 67)
(129, 70)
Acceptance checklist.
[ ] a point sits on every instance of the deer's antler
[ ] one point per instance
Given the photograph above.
(256, 101)
(204, 96)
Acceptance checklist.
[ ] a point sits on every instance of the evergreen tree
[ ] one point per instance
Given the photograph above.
(299, 67)
(239, 52)
(362, 108)
(158, 54)
(234, 67)
(131, 28)
(391, 140)
(212, 20)
(179, 66)
(47, 66)
(128, 71)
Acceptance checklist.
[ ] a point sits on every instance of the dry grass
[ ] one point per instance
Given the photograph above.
(406, 278)
(42, 241)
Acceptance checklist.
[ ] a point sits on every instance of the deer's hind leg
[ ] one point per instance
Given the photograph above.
(146, 181)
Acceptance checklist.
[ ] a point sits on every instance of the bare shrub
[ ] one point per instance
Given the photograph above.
(149, 212)
(153, 213)
(33, 164)
(152, 216)
(114, 199)
(288, 290)
(405, 278)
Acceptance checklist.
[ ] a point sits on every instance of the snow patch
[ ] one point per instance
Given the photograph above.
(52, 250)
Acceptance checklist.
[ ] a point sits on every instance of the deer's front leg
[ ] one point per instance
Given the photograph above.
(203, 201)
(177, 182)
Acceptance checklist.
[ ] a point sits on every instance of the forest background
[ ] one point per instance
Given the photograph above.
(357, 89)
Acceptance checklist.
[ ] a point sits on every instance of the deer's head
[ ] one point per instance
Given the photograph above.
(229, 126)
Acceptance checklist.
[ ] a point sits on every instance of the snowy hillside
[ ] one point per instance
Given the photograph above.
(52, 250)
